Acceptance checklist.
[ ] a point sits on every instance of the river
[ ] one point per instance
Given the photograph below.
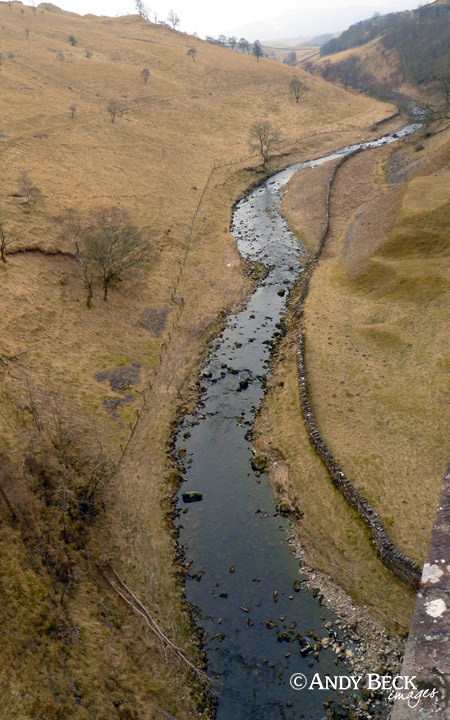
(241, 579)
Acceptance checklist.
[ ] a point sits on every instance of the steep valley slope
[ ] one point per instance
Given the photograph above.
(377, 357)
(89, 395)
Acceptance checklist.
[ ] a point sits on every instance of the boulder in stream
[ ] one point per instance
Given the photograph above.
(192, 496)
(259, 463)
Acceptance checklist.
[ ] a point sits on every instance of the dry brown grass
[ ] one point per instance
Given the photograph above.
(154, 160)
(375, 59)
(377, 355)
(279, 53)
(381, 63)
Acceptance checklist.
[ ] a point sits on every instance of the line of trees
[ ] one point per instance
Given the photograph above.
(172, 19)
(242, 45)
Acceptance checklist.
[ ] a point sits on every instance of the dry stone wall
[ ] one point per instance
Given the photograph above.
(393, 558)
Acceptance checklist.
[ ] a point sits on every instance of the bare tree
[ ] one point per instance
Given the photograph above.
(232, 41)
(73, 109)
(244, 45)
(60, 56)
(263, 139)
(26, 188)
(173, 19)
(113, 109)
(145, 74)
(111, 245)
(192, 52)
(297, 88)
(141, 9)
(67, 471)
(73, 40)
(257, 50)
(73, 226)
(290, 58)
(440, 110)
(6, 238)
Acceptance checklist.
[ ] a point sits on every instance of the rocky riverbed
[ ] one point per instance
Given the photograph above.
(358, 640)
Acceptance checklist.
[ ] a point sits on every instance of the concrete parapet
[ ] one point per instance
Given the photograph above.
(427, 654)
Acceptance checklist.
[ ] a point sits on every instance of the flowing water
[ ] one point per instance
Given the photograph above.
(242, 570)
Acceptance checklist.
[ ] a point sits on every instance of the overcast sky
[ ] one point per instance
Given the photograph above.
(209, 17)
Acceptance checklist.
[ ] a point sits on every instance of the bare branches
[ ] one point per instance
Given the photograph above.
(440, 109)
(297, 88)
(71, 473)
(113, 109)
(8, 358)
(263, 139)
(192, 52)
(257, 50)
(6, 238)
(145, 74)
(26, 188)
(141, 9)
(244, 45)
(112, 245)
(130, 598)
(72, 224)
(173, 19)
(107, 245)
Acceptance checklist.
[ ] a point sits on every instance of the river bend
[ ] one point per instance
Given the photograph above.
(242, 569)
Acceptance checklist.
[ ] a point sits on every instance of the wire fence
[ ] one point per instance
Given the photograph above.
(178, 300)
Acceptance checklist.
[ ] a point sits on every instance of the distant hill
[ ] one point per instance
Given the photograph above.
(317, 20)
(421, 37)
(406, 52)
(319, 39)
(289, 43)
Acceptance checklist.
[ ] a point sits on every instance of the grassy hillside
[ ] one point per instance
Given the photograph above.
(421, 38)
(377, 353)
(399, 54)
(281, 52)
(371, 68)
(75, 381)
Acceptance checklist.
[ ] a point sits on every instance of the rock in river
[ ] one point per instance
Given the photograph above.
(192, 496)
(259, 463)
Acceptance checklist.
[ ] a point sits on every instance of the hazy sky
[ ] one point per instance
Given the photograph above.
(210, 17)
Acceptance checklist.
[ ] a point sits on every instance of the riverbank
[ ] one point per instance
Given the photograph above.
(357, 372)
(212, 469)
(113, 377)
(365, 644)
